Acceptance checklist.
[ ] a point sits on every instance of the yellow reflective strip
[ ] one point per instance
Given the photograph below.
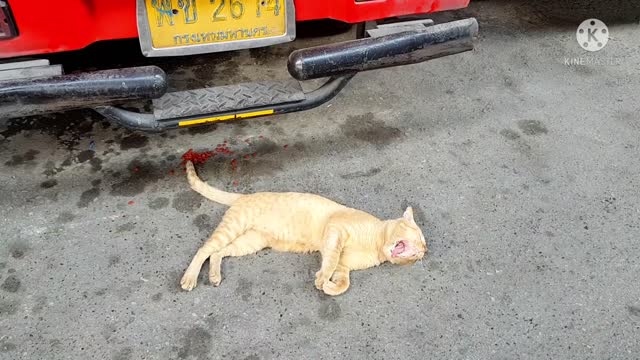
(206, 120)
(225, 117)
(254, 114)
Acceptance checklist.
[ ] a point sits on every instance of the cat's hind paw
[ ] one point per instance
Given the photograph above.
(215, 279)
(189, 281)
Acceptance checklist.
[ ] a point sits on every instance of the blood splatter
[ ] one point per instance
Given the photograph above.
(223, 149)
(131, 202)
(196, 157)
(235, 182)
(286, 146)
(234, 164)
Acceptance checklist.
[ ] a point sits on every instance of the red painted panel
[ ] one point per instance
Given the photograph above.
(46, 26)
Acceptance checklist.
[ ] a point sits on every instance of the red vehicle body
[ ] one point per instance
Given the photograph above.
(46, 26)
(34, 28)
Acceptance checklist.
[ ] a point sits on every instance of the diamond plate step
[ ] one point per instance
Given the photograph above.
(226, 98)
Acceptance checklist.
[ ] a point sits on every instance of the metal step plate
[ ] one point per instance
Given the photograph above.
(226, 98)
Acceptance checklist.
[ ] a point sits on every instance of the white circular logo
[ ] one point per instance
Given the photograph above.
(592, 35)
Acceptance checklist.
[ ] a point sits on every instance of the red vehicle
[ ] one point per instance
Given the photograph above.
(185, 27)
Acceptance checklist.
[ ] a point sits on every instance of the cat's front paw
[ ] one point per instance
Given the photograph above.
(188, 281)
(321, 279)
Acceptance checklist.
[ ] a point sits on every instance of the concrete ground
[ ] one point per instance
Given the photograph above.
(523, 171)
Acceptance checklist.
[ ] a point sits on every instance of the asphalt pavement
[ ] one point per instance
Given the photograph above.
(521, 162)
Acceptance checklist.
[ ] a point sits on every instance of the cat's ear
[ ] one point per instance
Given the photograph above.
(408, 214)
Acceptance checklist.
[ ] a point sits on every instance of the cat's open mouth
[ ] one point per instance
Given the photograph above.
(402, 249)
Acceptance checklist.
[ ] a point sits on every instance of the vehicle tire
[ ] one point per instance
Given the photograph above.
(579, 10)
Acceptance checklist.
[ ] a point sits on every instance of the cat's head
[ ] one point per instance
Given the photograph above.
(405, 243)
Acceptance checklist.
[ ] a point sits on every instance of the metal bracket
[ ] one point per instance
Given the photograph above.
(394, 28)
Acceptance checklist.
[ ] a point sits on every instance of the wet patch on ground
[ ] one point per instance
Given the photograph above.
(125, 227)
(134, 141)
(369, 129)
(87, 197)
(510, 134)
(532, 127)
(65, 217)
(11, 284)
(329, 310)
(195, 344)
(18, 250)
(359, 174)
(140, 174)
(158, 203)
(187, 201)
(27, 157)
(47, 184)
(67, 128)
(204, 223)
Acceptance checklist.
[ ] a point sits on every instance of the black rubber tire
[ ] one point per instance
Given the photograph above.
(579, 10)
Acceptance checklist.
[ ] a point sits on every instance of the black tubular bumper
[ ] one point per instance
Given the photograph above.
(407, 47)
(406, 43)
(86, 90)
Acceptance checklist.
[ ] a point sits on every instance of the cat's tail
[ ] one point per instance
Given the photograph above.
(207, 190)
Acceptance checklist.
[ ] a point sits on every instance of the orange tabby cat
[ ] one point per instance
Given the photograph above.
(348, 239)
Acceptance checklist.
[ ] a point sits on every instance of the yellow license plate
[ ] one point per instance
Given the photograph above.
(185, 23)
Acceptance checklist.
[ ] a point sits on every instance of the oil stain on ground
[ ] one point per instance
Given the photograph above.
(123, 354)
(142, 173)
(359, 174)
(87, 197)
(6, 346)
(329, 310)
(11, 284)
(133, 141)
(367, 128)
(18, 250)
(48, 184)
(90, 156)
(187, 201)
(21, 159)
(195, 344)
(510, 134)
(244, 289)
(202, 129)
(85, 156)
(65, 217)
(125, 227)
(634, 311)
(158, 203)
(8, 308)
(532, 127)
(203, 223)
